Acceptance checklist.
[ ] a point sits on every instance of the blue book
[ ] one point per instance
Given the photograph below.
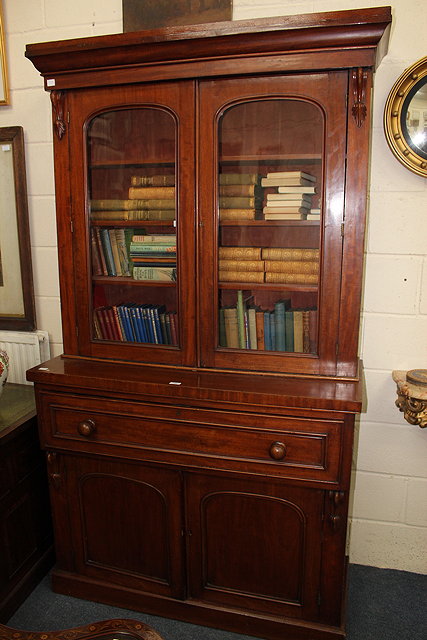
(124, 323)
(148, 324)
(273, 331)
(279, 325)
(141, 324)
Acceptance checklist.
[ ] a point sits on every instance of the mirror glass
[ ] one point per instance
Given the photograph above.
(414, 118)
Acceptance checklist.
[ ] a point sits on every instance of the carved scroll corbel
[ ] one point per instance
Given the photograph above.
(58, 99)
(412, 395)
(359, 109)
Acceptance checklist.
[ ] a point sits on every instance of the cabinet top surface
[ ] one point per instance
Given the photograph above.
(351, 29)
(184, 386)
(16, 405)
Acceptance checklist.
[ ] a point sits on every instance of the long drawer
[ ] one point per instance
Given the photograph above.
(283, 446)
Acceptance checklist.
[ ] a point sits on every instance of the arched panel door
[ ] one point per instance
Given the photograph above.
(254, 545)
(129, 522)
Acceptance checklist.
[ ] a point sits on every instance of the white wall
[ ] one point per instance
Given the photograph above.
(389, 510)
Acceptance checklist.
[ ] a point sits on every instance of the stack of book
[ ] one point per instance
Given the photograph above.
(246, 326)
(110, 251)
(153, 257)
(241, 264)
(149, 198)
(136, 323)
(273, 265)
(291, 266)
(292, 197)
(240, 196)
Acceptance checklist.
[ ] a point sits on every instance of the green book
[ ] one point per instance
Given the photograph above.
(241, 320)
(289, 330)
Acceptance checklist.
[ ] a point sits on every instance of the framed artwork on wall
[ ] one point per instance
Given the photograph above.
(4, 89)
(17, 309)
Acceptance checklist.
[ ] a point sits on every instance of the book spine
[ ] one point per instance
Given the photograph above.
(241, 265)
(239, 178)
(241, 276)
(240, 253)
(156, 193)
(157, 239)
(291, 278)
(160, 274)
(239, 202)
(241, 320)
(236, 214)
(153, 181)
(274, 253)
(239, 190)
(292, 266)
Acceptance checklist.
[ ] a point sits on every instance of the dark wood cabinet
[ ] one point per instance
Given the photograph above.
(211, 188)
(25, 523)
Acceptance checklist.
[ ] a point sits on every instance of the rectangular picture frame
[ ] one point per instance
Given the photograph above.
(17, 306)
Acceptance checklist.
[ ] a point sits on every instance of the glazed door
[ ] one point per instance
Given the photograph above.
(255, 545)
(132, 180)
(274, 163)
(125, 523)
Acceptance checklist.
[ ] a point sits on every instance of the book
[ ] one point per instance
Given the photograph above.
(299, 183)
(239, 178)
(279, 253)
(285, 210)
(156, 193)
(282, 188)
(231, 328)
(240, 253)
(280, 308)
(292, 266)
(284, 216)
(259, 321)
(289, 330)
(252, 328)
(241, 276)
(160, 274)
(153, 181)
(115, 251)
(240, 190)
(239, 202)
(277, 200)
(222, 338)
(291, 278)
(289, 195)
(241, 265)
(292, 175)
(267, 331)
(298, 331)
(237, 214)
(151, 247)
(108, 252)
(157, 239)
(136, 214)
(240, 320)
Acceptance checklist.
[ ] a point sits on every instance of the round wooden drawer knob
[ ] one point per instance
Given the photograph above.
(277, 451)
(86, 428)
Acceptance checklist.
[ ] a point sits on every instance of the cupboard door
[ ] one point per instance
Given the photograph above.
(254, 545)
(126, 523)
(271, 221)
(132, 159)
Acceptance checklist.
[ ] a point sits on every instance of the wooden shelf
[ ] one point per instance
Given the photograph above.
(120, 280)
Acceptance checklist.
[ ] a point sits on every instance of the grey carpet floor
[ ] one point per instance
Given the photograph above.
(383, 604)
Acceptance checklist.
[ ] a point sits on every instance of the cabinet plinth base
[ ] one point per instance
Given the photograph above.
(244, 622)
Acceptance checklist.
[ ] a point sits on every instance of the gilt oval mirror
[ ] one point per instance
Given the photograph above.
(405, 118)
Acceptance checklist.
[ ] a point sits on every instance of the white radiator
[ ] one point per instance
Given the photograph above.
(25, 349)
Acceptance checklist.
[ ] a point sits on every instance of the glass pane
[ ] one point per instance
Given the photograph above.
(270, 200)
(133, 236)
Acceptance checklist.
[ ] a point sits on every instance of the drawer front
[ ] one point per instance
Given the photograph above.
(284, 446)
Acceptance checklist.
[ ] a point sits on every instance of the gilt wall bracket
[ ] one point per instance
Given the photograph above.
(412, 395)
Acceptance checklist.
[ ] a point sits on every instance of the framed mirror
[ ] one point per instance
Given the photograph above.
(405, 118)
(17, 309)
